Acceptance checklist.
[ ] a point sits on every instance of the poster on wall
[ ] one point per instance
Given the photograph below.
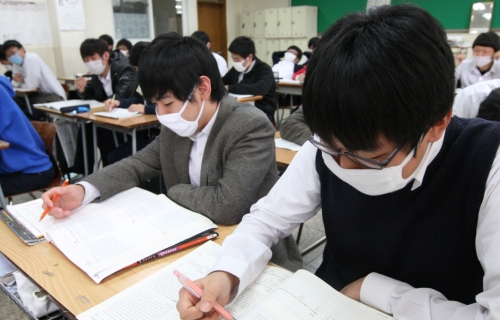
(26, 22)
(70, 14)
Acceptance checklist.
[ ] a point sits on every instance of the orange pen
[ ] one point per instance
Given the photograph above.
(54, 198)
(197, 292)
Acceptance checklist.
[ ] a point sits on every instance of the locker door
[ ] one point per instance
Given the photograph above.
(247, 28)
(298, 22)
(260, 48)
(271, 23)
(285, 22)
(259, 23)
(272, 45)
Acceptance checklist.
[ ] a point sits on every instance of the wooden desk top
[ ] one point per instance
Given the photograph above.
(20, 91)
(127, 123)
(4, 144)
(250, 99)
(283, 156)
(68, 284)
(289, 84)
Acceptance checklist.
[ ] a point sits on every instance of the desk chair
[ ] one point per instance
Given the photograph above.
(47, 132)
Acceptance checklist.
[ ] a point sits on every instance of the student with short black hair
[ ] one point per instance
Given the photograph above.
(30, 72)
(124, 46)
(6, 63)
(216, 155)
(410, 195)
(204, 38)
(109, 41)
(313, 43)
(489, 109)
(482, 66)
(250, 75)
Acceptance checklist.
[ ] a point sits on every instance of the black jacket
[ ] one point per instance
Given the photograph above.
(123, 80)
(259, 81)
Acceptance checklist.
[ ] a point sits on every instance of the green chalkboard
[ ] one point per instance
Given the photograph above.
(453, 14)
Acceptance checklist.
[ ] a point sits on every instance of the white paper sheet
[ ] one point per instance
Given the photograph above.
(285, 144)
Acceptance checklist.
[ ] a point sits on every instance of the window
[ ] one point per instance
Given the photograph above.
(132, 19)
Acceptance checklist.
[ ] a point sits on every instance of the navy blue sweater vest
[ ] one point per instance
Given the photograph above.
(424, 237)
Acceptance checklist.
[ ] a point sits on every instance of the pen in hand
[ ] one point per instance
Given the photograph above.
(54, 198)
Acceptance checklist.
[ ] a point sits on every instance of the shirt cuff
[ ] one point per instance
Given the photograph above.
(376, 291)
(91, 192)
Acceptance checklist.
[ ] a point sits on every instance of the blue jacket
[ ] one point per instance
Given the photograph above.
(26, 153)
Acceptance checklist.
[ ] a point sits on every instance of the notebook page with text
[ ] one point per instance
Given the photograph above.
(304, 296)
(123, 236)
(156, 296)
(118, 113)
(28, 213)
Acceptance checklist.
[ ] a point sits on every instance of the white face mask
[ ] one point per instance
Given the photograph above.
(124, 52)
(239, 66)
(481, 61)
(95, 66)
(372, 182)
(179, 125)
(290, 57)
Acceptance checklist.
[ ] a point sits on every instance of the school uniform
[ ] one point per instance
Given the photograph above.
(258, 80)
(221, 64)
(467, 101)
(468, 73)
(428, 251)
(218, 172)
(294, 128)
(24, 165)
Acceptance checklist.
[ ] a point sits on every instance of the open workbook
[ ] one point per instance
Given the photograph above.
(117, 113)
(102, 238)
(58, 105)
(276, 294)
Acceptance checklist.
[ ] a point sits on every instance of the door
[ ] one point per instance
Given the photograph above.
(212, 20)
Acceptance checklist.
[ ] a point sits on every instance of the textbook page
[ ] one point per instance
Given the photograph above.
(117, 238)
(285, 144)
(118, 113)
(306, 297)
(70, 103)
(156, 296)
(28, 213)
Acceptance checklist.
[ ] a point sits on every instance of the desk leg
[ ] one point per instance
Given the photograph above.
(96, 158)
(134, 141)
(84, 143)
(2, 199)
(28, 104)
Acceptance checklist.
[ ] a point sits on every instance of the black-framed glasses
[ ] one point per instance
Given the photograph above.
(365, 162)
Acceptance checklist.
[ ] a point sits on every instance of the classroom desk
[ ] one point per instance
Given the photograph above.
(3, 145)
(55, 114)
(71, 288)
(69, 80)
(23, 93)
(128, 126)
(289, 88)
(250, 99)
(283, 156)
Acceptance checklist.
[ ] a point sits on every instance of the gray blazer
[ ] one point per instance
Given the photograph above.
(238, 168)
(294, 128)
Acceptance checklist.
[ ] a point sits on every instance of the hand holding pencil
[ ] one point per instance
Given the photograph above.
(68, 198)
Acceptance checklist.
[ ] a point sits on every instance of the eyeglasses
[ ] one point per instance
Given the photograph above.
(365, 162)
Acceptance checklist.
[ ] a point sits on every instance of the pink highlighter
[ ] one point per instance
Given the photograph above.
(197, 292)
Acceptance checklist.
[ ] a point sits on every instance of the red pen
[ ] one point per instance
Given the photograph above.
(197, 292)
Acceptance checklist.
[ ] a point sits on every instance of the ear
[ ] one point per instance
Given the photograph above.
(251, 57)
(105, 56)
(205, 88)
(436, 131)
(209, 45)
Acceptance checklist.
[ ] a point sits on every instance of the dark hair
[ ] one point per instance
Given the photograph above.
(388, 72)
(124, 42)
(11, 43)
(173, 63)
(299, 52)
(91, 46)
(488, 39)
(243, 46)
(136, 52)
(202, 36)
(313, 42)
(109, 41)
(2, 53)
(489, 109)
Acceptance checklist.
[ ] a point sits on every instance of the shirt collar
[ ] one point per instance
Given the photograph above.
(251, 67)
(107, 77)
(208, 127)
(430, 154)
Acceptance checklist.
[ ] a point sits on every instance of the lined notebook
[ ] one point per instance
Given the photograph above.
(276, 294)
(117, 113)
(102, 238)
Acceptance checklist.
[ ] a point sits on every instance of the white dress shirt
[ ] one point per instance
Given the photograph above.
(296, 198)
(37, 75)
(240, 76)
(469, 74)
(284, 69)
(195, 161)
(221, 64)
(106, 83)
(467, 101)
